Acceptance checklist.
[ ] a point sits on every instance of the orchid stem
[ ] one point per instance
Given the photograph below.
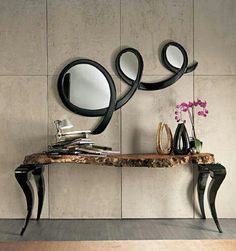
(192, 123)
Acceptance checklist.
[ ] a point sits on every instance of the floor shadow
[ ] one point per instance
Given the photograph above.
(193, 225)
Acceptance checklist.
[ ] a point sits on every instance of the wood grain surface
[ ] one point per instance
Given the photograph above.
(123, 160)
(152, 245)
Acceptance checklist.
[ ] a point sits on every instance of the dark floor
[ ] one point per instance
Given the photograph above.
(117, 229)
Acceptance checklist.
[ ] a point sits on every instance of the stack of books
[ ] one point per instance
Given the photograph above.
(79, 145)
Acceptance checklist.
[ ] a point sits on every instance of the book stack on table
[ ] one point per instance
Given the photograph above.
(82, 144)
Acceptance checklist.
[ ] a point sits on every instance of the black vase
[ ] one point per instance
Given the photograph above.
(181, 140)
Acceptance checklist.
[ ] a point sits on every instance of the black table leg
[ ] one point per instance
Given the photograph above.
(218, 174)
(39, 180)
(22, 174)
(201, 187)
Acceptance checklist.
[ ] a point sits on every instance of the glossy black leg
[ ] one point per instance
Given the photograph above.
(39, 180)
(218, 174)
(22, 174)
(201, 186)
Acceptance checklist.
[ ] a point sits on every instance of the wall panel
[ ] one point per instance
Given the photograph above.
(39, 37)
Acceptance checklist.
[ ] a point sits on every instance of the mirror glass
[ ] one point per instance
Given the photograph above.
(87, 87)
(129, 64)
(174, 56)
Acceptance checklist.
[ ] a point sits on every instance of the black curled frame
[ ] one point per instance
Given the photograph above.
(178, 72)
(114, 104)
(107, 113)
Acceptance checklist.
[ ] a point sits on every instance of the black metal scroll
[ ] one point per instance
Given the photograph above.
(106, 113)
(134, 83)
(64, 83)
(178, 72)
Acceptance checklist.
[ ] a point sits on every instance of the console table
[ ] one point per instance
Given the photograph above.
(205, 163)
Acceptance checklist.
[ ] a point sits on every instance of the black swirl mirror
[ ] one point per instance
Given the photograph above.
(86, 88)
(174, 58)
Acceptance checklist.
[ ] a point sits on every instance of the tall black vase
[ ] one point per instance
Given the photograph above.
(181, 140)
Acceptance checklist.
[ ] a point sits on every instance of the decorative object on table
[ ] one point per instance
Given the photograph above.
(87, 88)
(189, 107)
(195, 145)
(181, 140)
(167, 148)
(75, 142)
(62, 135)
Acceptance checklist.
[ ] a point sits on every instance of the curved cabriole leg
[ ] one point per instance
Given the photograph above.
(218, 174)
(201, 186)
(39, 180)
(22, 175)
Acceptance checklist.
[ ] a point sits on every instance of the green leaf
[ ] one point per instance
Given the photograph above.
(198, 145)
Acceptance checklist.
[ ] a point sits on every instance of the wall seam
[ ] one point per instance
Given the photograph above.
(113, 75)
(49, 216)
(193, 173)
(121, 146)
(20, 75)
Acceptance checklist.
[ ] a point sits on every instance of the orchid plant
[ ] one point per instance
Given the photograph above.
(189, 107)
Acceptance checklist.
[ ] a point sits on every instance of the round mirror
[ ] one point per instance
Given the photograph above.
(87, 87)
(129, 64)
(174, 56)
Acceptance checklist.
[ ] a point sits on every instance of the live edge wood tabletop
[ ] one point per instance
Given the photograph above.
(123, 160)
(204, 162)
